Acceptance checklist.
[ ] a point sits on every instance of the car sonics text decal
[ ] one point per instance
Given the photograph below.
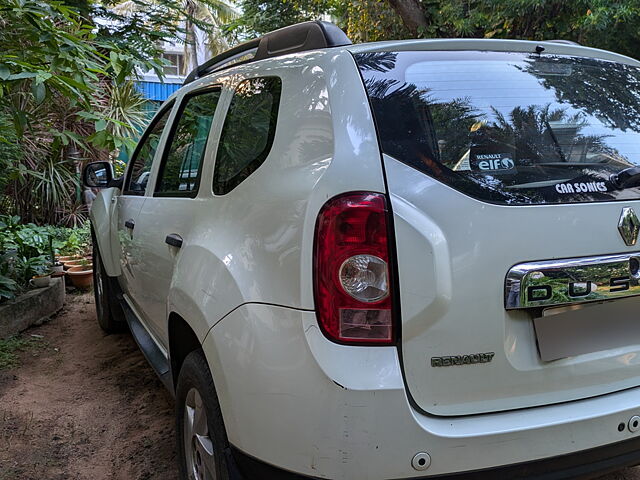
(581, 187)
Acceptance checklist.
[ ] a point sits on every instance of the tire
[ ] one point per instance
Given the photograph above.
(202, 439)
(108, 311)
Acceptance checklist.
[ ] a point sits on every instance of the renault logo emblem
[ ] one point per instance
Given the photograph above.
(628, 226)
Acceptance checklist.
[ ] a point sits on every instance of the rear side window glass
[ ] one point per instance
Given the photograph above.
(182, 161)
(248, 132)
(138, 174)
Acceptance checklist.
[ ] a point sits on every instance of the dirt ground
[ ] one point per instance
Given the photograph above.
(86, 406)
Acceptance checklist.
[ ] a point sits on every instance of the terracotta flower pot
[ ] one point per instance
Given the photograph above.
(81, 276)
(68, 258)
(73, 263)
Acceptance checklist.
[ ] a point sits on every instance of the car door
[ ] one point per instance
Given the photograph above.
(132, 198)
(165, 220)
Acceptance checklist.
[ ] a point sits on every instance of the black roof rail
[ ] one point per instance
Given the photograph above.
(294, 38)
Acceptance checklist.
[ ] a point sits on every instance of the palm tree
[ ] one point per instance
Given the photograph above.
(207, 16)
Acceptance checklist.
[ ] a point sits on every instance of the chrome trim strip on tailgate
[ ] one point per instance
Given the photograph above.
(572, 280)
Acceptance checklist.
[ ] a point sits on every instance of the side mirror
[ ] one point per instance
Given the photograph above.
(97, 175)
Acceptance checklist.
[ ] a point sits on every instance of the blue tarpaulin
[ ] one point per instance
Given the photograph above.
(157, 91)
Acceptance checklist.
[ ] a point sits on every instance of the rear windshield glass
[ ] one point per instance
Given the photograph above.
(512, 128)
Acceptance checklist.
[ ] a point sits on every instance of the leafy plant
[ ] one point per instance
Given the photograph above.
(64, 99)
(8, 288)
(27, 268)
(28, 250)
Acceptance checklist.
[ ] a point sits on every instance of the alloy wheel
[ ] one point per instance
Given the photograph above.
(198, 446)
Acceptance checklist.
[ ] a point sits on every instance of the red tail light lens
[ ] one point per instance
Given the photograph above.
(352, 284)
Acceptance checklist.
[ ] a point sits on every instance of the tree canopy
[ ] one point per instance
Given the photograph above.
(596, 23)
(66, 93)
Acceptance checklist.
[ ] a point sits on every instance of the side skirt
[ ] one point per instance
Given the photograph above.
(160, 363)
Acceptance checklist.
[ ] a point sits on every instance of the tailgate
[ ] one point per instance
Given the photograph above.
(463, 352)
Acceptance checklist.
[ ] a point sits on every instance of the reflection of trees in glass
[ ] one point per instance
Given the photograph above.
(188, 143)
(452, 122)
(526, 149)
(377, 61)
(248, 131)
(607, 90)
(146, 151)
(540, 134)
(403, 117)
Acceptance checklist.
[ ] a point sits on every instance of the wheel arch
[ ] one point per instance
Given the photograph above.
(182, 341)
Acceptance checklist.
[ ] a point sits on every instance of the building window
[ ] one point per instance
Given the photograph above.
(176, 61)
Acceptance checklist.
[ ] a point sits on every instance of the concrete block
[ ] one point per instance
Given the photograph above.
(31, 308)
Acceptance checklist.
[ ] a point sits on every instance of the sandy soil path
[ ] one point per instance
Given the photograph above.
(86, 406)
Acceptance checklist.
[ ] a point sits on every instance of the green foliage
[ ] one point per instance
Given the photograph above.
(597, 23)
(600, 23)
(65, 93)
(59, 73)
(370, 21)
(119, 167)
(48, 51)
(262, 16)
(8, 288)
(72, 241)
(26, 250)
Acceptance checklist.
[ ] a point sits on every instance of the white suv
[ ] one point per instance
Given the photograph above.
(394, 260)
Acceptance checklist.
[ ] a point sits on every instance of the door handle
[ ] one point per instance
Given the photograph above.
(174, 240)
(130, 224)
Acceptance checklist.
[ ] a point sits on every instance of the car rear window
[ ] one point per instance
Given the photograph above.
(511, 128)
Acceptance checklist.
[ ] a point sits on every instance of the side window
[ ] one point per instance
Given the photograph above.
(247, 133)
(138, 173)
(182, 160)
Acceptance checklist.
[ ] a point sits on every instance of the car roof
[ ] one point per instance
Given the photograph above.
(557, 47)
(491, 45)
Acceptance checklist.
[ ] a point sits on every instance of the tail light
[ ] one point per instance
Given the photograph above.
(352, 282)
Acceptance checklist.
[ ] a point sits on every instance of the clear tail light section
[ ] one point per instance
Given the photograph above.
(352, 282)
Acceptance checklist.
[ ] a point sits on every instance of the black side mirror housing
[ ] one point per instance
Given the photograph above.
(98, 175)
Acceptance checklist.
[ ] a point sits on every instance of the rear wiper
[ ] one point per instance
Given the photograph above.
(567, 164)
(629, 177)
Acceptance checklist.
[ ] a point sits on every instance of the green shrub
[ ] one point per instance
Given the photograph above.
(27, 250)
(8, 288)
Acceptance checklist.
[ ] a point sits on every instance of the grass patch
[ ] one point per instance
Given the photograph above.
(11, 347)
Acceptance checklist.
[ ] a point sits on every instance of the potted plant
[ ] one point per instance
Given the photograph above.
(82, 274)
(72, 250)
(42, 270)
(68, 258)
(74, 262)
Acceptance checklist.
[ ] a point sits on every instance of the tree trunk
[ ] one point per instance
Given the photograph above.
(190, 47)
(411, 14)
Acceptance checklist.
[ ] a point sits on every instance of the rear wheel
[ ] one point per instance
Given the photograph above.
(200, 431)
(109, 313)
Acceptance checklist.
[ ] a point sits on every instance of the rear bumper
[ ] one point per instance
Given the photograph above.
(293, 400)
(585, 464)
